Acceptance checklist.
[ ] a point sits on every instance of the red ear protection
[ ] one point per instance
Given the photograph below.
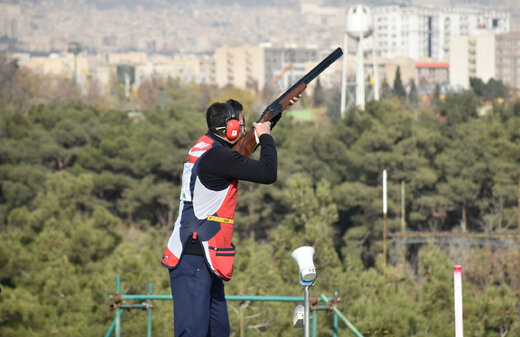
(232, 129)
(232, 124)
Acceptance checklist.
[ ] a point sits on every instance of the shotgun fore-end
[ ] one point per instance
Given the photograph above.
(247, 144)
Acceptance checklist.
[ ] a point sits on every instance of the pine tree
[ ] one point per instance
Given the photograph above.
(398, 84)
(436, 94)
(386, 91)
(412, 96)
(318, 97)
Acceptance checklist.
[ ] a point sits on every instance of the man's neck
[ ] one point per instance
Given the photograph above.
(222, 140)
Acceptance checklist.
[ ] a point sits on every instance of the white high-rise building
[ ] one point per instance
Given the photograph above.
(10, 20)
(424, 31)
(472, 56)
(485, 57)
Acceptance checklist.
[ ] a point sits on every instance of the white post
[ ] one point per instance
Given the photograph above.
(360, 77)
(376, 68)
(384, 191)
(457, 283)
(344, 77)
(384, 224)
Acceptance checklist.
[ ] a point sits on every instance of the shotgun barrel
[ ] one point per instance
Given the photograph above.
(277, 107)
(247, 144)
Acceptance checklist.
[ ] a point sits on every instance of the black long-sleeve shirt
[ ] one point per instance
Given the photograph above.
(221, 165)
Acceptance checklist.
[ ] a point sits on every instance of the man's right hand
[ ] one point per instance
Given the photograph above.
(262, 128)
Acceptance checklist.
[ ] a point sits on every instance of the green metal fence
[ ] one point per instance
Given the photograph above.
(119, 305)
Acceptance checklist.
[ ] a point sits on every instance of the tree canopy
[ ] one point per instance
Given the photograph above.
(88, 192)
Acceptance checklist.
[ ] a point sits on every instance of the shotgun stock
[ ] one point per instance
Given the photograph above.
(247, 144)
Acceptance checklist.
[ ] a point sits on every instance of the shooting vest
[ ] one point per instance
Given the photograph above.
(204, 214)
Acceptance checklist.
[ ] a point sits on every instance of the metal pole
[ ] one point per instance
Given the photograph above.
(403, 227)
(344, 87)
(360, 77)
(376, 68)
(335, 320)
(343, 318)
(118, 311)
(149, 309)
(384, 222)
(228, 298)
(111, 328)
(113, 325)
(314, 323)
(307, 304)
(242, 321)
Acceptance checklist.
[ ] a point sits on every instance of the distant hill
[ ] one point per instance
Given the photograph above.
(109, 4)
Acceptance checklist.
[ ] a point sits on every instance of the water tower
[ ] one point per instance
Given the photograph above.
(358, 26)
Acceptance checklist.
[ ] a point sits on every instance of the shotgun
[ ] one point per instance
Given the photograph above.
(247, 144)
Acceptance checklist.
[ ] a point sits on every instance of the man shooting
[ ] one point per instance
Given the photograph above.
(200, 251)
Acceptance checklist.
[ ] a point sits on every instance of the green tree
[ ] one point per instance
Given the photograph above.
(386, 91)
(495, 89)
(334, 104)
(436, 94)
(477, 85)
(87, 193)
(318, 96)
(412, 96)
(459, 108)
(398, 89)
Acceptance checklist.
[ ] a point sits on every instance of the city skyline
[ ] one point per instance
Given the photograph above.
(173, 27)
(241, 45)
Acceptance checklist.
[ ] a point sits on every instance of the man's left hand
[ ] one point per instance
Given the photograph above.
(295, 99)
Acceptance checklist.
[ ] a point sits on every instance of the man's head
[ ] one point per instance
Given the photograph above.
(226, 119)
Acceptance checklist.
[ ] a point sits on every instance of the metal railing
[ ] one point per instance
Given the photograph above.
(119, 305)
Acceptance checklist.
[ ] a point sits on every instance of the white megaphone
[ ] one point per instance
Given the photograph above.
(303, 256)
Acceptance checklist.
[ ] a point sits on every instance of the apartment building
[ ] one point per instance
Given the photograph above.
(265, 66)
(185, 67)
(426, 31)
(428, 73)
(10, 22)
(471, 56)
(485, 57)
(242, 67)
(507, 60)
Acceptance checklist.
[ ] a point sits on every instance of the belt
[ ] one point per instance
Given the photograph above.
(220, 219)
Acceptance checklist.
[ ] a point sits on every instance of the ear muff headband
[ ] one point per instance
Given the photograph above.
(232, 123)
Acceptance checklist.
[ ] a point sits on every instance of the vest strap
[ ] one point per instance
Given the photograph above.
(220, 219)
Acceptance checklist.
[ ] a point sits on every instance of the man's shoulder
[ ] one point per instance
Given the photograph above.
(203, 143)
(219, 151)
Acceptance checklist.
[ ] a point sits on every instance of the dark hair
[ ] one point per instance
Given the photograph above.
(217, 115)
(236, 105)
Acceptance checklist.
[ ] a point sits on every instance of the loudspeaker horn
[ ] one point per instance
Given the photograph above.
(303, 256)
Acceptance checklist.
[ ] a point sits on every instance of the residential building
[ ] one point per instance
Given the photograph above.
(242, 67)
(185, 67)
(425, 31)
(472, 56)
(10, 15)
(428, 73)
(486, 57)
(266, 67)
(507, 60)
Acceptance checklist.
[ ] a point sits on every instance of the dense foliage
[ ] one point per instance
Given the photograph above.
(87, 193)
